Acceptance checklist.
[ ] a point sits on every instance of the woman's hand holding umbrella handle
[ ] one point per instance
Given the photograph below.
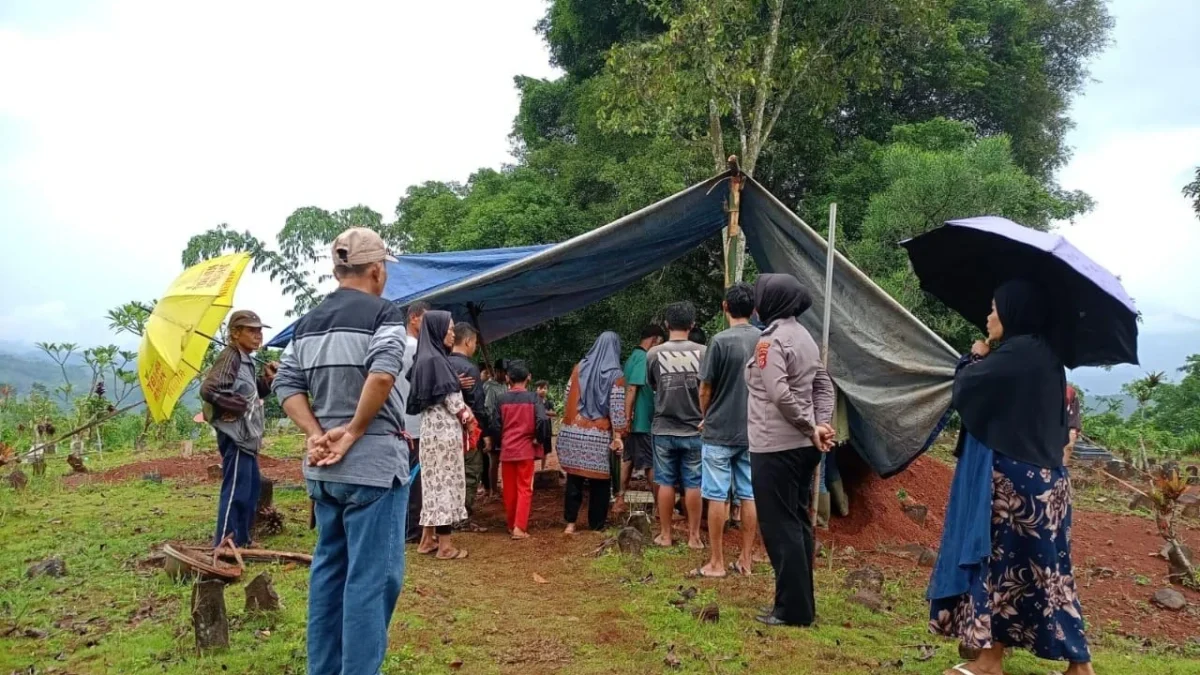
(981, 348)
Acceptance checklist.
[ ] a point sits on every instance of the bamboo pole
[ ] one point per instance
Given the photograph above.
(733, 232)
(830, 256)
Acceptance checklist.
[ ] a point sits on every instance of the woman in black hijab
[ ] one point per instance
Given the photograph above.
(436, 394)
(788, 415)
(1003, 577)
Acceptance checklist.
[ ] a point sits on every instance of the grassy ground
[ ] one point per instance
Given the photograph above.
(487, 614)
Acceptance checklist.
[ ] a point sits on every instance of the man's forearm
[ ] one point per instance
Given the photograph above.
(705, 397)
(631, 393)
(374, 394)
(300, 413)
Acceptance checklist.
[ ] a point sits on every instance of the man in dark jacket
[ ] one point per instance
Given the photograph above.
(233, 398)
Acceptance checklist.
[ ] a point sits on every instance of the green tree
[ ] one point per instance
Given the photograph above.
(742, 63)
(1192, 192)
(930, 173)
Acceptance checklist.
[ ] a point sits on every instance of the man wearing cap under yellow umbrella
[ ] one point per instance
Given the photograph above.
(233, 406)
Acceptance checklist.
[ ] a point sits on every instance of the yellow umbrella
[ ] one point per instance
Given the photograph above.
(181, 327)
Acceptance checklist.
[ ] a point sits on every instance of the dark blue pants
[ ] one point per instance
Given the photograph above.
(356, 575)
(240, 485)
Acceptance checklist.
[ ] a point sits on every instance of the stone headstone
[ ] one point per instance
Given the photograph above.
(868, 578)
(640, 521)
(209, 619)
(916, 513)
(50, 567)
(922, 555)
(869, 599)
(631, 542)
(186, 449)
(261, 595)
(215, 472)
(1169, 598)
(1141, 502)
(17, 480)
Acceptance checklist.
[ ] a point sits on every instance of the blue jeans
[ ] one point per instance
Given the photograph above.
(240, 485)
(726, 468)
(677, 461)
(357, 572)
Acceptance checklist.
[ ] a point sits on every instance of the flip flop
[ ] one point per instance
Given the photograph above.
(699, 573)
(736, 567)
(459, 554)
(962, 669)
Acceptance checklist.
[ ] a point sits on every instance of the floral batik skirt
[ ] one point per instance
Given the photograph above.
(1023, 595)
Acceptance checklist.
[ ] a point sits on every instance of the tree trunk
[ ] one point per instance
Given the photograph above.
(208, 615)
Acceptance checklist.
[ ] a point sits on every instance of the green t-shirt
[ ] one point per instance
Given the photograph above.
(643, 406)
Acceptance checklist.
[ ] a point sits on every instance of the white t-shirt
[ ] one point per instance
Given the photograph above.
(412, 423)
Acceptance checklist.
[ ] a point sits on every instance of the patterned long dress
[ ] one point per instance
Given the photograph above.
(582, 443)
(1022, 595)
(443, 477)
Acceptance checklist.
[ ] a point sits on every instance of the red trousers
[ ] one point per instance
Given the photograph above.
(518, 493)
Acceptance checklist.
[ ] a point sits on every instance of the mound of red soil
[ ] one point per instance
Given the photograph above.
(188, 470)
(876, 518)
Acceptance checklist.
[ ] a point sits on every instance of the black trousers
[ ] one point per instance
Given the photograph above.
(782, 489)
(413, 526)
(598, 495)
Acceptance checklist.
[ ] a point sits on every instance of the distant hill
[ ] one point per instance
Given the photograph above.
(1162, 351)
(21, 369)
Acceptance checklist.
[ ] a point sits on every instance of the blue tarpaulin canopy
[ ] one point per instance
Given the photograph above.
(893, 371)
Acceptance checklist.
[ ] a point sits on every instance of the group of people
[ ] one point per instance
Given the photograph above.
(743, 420)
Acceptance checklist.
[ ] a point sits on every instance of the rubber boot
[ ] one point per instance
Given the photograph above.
(823, 511)
(841, 501)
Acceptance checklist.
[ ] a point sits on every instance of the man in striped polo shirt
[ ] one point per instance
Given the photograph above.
(336, 382)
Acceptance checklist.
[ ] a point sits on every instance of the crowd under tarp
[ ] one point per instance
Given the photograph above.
(894, 372)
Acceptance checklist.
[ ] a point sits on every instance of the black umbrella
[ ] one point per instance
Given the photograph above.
(1094, 320)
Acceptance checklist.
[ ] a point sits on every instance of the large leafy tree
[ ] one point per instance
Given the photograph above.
(930, 173)
(1192, 192)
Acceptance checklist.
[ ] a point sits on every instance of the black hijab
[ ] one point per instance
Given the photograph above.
(432, 378)
(1014, 399)
(777, 296)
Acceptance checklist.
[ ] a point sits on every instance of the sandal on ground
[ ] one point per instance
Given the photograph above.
(459, 554)
(736, 567)
(699, 573)
(432, 550)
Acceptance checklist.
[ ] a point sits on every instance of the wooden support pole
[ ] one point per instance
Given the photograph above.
(733, 232)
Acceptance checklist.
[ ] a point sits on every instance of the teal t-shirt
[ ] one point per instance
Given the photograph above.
(643, 406)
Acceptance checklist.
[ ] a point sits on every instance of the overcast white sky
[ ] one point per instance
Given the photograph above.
(126, 126)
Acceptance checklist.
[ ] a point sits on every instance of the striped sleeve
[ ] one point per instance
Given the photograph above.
(218, 385)
(291, 379)
(385, 350)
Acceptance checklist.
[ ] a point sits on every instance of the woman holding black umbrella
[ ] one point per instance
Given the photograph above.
(1004, 576)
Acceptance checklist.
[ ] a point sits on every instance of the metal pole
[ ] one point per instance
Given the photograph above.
(830, 255)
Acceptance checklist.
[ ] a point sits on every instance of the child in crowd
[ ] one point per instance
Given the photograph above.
(524, 429)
